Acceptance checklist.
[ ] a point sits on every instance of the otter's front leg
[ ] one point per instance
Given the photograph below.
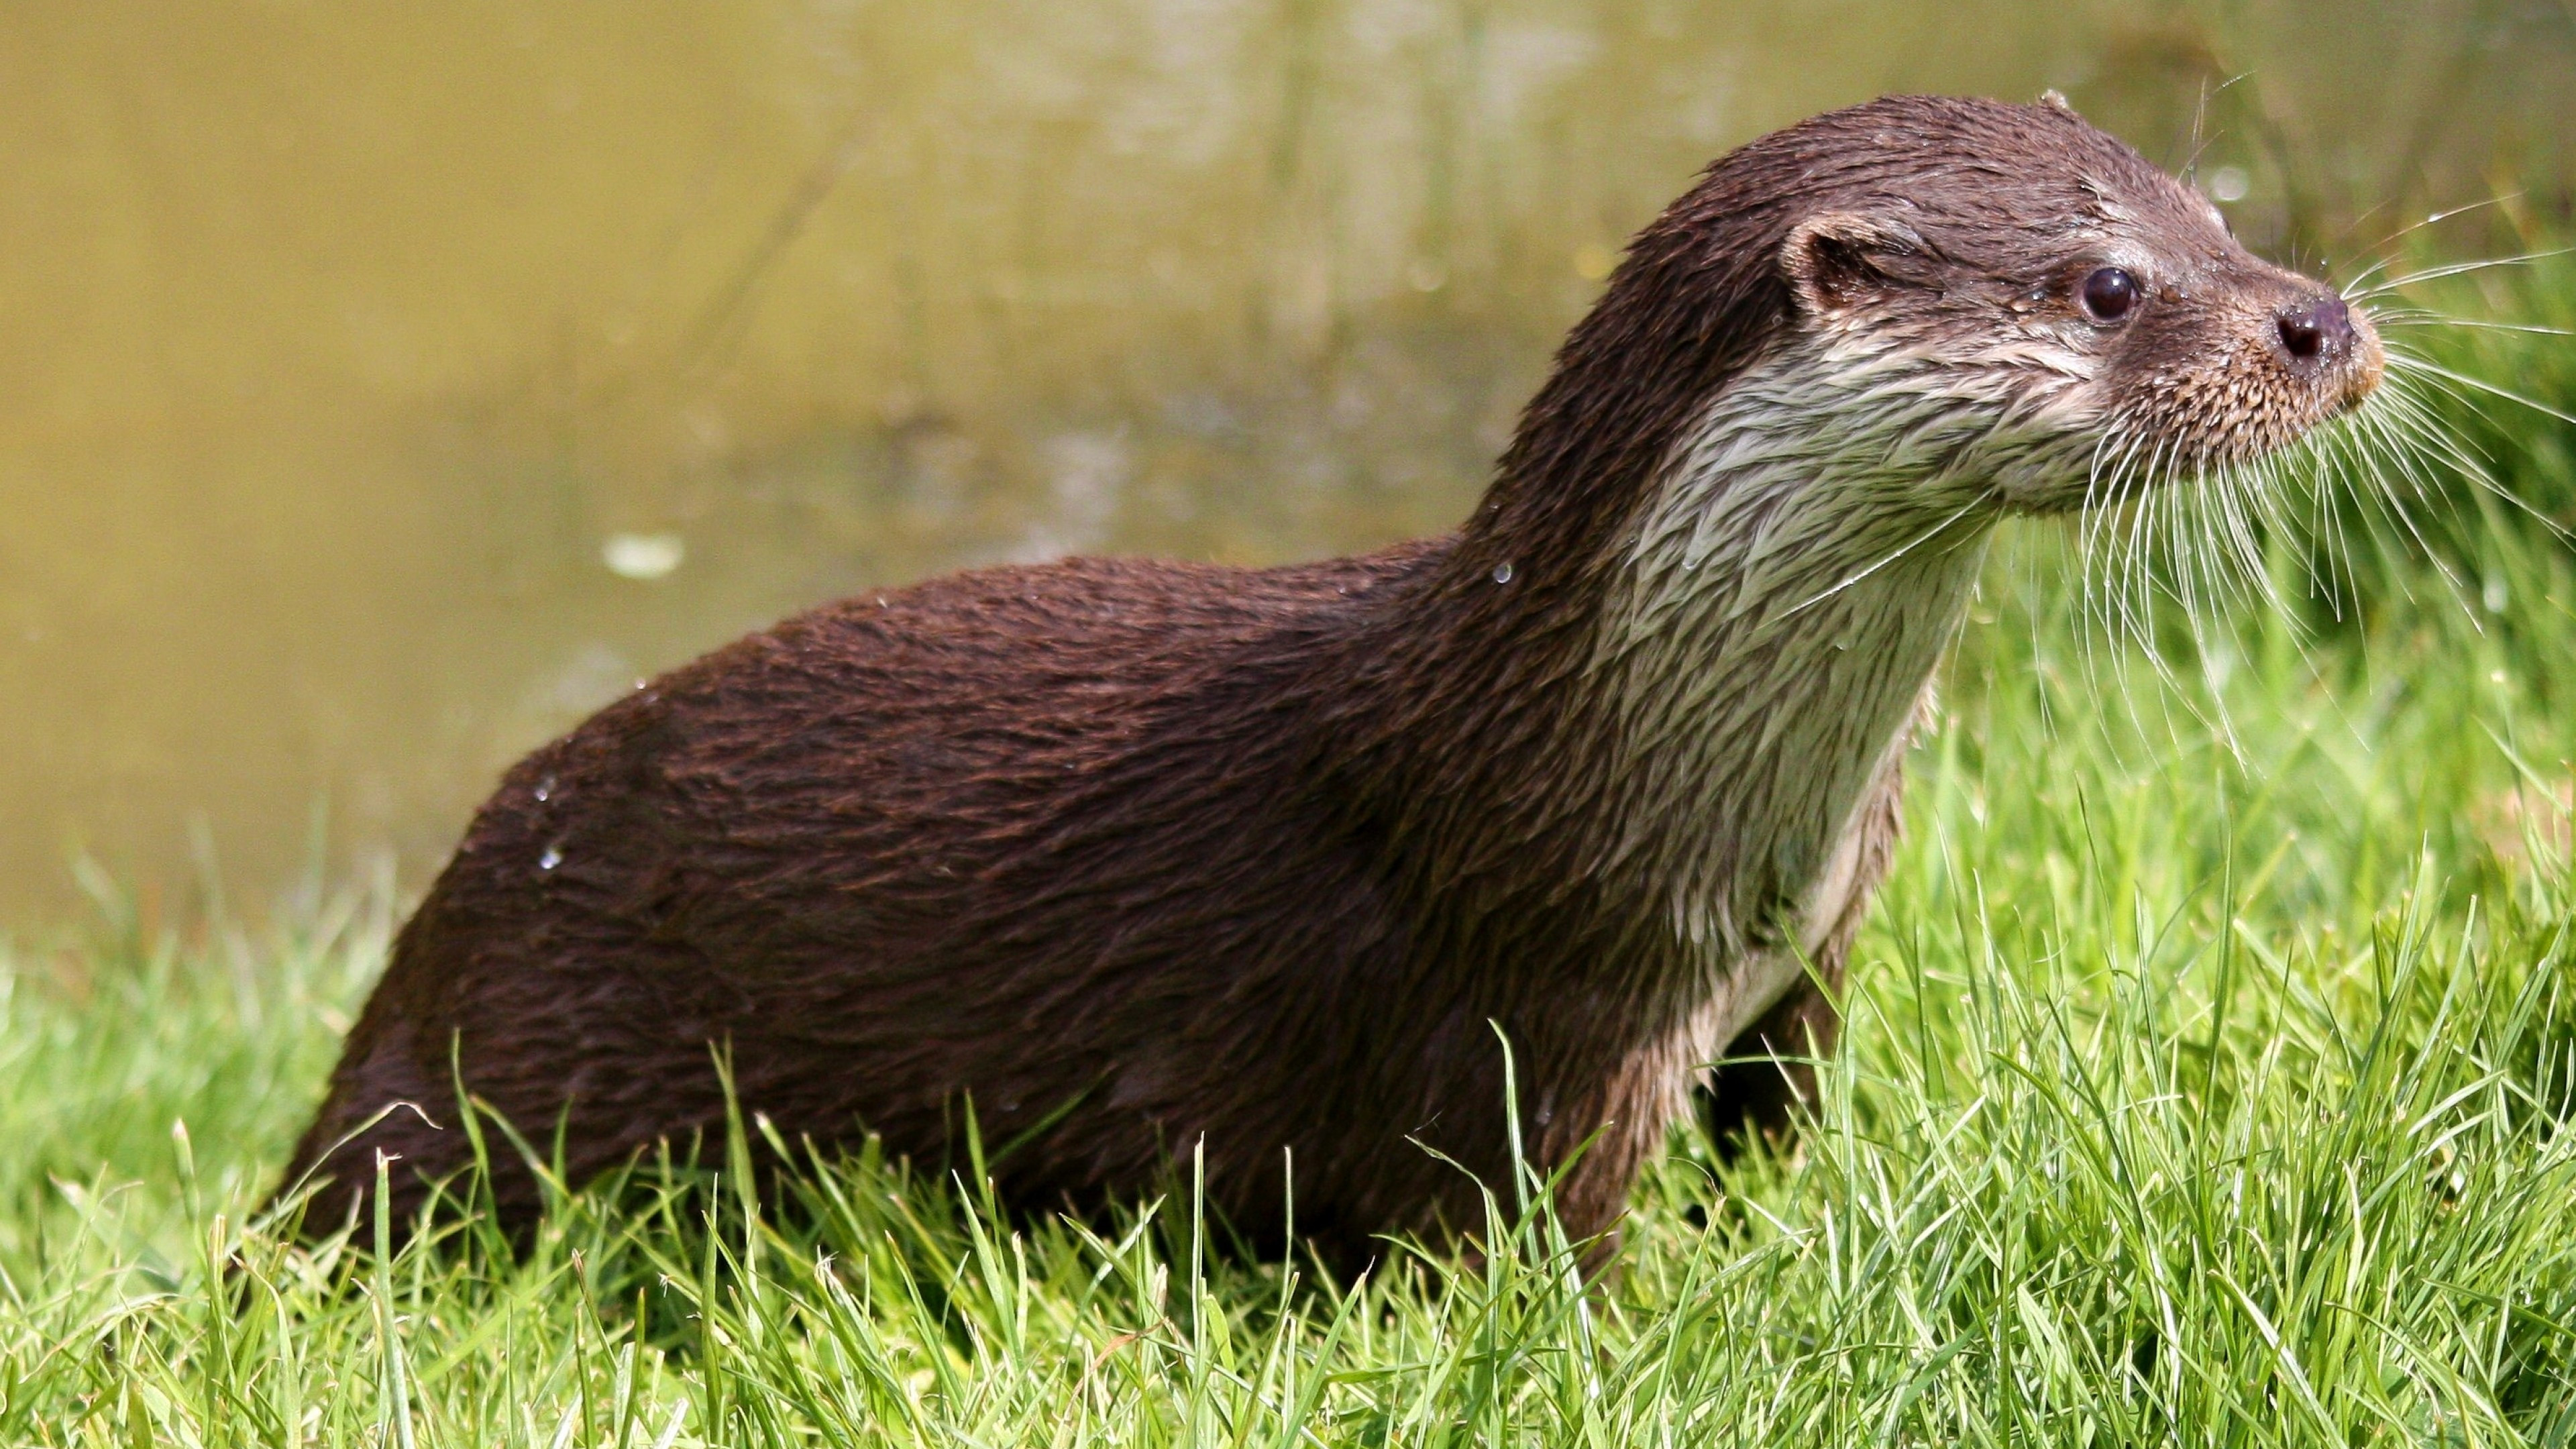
(1768, 1072)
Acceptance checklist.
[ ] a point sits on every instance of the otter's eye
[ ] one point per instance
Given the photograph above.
(2109, 294)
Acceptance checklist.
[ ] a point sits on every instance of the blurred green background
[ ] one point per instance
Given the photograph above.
(387, 386)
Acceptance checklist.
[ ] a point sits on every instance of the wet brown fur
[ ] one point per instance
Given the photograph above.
(1169, 857)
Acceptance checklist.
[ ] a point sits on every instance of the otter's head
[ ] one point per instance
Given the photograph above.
(2016, 302)
(2026, 254)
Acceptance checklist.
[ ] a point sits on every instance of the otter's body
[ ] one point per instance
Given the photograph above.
(1149, 860)
(1163, 747)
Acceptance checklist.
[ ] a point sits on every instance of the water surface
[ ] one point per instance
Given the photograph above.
(387, 386)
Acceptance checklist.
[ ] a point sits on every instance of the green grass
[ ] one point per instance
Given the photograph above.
(2211, 1057)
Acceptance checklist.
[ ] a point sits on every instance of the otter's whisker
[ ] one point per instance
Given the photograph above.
(2325, 522)
(2168, 530)
(2084, 521)
(2229, 489)
(2418, 436)
(2111, 539)
(2196, 565)
(2387, 243)
(2140, 559)
(2432, 319)
(2383, 424)
(2282, 487)
(2232, 573)
(2390, 251)
(2406, 418)
(1926, 536)
(2093, 532)
(2455, 269)
(2139, 550)
(2089, 525)
(2423, 365)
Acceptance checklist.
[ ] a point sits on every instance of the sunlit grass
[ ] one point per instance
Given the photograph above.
(2210, 1058)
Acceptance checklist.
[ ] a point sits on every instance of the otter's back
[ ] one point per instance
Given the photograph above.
(1018, 833)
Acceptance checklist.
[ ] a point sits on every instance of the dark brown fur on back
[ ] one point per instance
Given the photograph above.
(1083, 841)
(1148, 859)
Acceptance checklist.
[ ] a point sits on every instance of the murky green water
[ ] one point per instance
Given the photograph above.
(385, 386)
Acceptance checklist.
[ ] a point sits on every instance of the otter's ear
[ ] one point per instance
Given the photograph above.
(1841, 259)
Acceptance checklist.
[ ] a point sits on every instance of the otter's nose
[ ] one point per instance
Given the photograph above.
(2323, 328)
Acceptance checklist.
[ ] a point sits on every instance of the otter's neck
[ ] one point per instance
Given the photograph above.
(1801, 560)
(1687, 710)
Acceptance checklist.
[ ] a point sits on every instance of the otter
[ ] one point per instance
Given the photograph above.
(1275, 873)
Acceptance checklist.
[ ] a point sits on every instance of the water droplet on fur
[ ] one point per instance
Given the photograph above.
(545, 789)
(1503, 572)
(552, 858)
